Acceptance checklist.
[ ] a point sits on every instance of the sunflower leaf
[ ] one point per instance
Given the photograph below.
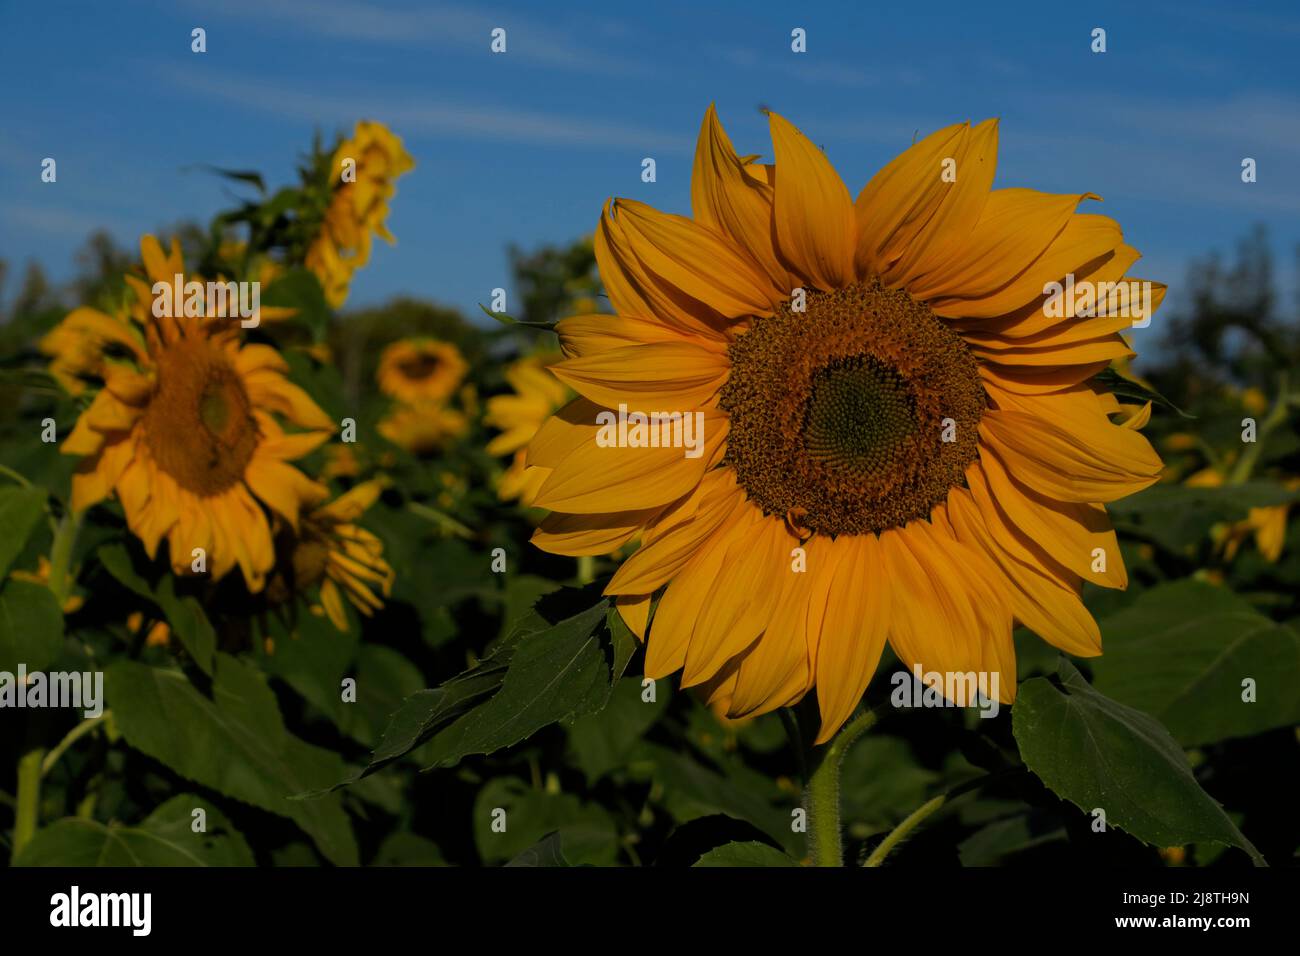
(21, 509)
(1107, 758)
(505, 319)
(1182, 652)
(1129, 390)
(31, 626)
(1177, 517)
(234, 742)
(747, 854)
(165, 838)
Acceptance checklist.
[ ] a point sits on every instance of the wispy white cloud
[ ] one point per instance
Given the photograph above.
(817, 70)
(436, 27)
(52, 220)
(478, 121)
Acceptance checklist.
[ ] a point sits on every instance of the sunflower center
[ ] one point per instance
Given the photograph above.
(420, 367)
(856, 414)
(199, 425)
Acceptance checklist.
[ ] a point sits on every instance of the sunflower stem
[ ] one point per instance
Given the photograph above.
(1277, 416)
(65, 537)
(928, 809)
(900, 832)
(586, 569)
(72, 736)
(822, 795)
(28, 805)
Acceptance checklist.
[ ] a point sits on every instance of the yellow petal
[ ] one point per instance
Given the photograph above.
(665, 377)
(732, 201)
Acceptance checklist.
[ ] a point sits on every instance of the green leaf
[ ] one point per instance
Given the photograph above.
(234, 742)
(691, 790)
(21, 509)
(408, 849)
(746, 854)
(548, 851)
(505, 319)
(1100, 754)
(1181, 651)
(183, 612)
(31, 626)
(165, 838)
(881, 782)
(602, 742)
(554, 674)
(510, 816)
(300, 289)
(188, 622)
(252, 177)
(1130, 391)
(33, 380)
(992, 844)
(1178, 517)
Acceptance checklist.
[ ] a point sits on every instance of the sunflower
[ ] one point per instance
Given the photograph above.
(536, 395)
(184, 433)
(1267, 523)
(423, 428)
(901, 438)
(331, 552)
(420, 370)
(357, 208)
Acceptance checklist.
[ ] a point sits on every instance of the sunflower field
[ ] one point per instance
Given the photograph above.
(806, 528)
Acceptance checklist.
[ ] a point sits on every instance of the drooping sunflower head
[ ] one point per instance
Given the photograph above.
(329, 554)
(187, 435)
(420, 370)
(363, 177)
(861, 421)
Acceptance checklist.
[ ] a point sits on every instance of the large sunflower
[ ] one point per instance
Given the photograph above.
(901, 438)
(183, 432)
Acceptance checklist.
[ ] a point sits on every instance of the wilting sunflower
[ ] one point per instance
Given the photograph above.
(420, 370)
(536, 395)
(357, 207)
(332, 553)
(183, 432)
(901, 441)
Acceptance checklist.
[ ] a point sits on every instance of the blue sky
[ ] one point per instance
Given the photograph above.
(524, 147)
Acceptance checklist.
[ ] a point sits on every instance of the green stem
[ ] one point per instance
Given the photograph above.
(27, 812)
(443, 520)
(14, 476)
(61, 554)
(1245, 466)
(927, 810)
(586, 569)
(73, 735)
(900, 832)
(822, 796)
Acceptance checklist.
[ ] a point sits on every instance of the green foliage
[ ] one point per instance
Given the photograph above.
(1110, 759)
